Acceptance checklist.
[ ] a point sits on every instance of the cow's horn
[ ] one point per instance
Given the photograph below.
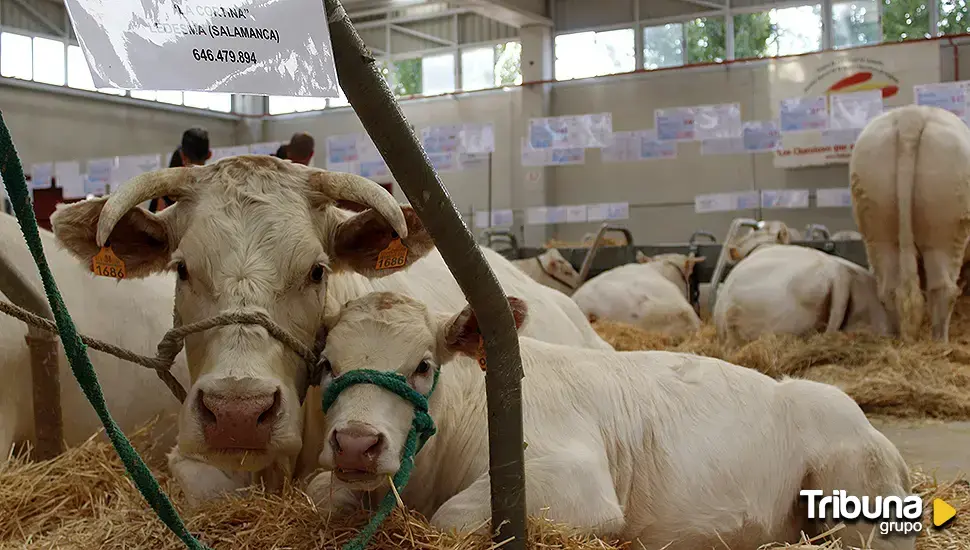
(351, 187)
(171, 182)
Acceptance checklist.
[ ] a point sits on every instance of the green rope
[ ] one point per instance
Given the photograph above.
(13, 177)
(422, 428)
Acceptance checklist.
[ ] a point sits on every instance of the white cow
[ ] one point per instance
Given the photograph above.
(257, 233)
(552, 270)
(651, 294)
(133, 315)
(790, 289)
(667, 448)
(909, 175)
(847, 235)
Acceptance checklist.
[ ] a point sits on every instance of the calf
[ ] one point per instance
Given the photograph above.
(676, 450)
(651, 294)
(552, 270)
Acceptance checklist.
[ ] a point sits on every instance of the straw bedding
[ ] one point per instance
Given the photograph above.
(83, 500)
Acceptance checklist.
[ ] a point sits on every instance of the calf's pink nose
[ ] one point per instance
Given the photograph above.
(238, 422)
(357, 448)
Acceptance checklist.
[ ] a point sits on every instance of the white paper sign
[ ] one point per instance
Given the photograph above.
(224, 152)
(68, 174)
(557, 214)
(265, 148)
(271, 47)
(478, 138)
(481, 219)
(341, 149)
(374, 169)
(568, 132)
(551, 157)
(653, 148)
(624, 148)
(536, 215)
(618, 211)
(723, 146)
(100, 174)
(576, 214)
(446, 162)
(41, 174)
(714, 202)
(441, 139)
(837, 197)
(854, 109)
(951, 96)
(717, 121)
(131, 166)
(746, 200)
(784, 198)
(803, 114)
(842, 137)
(760, 135)
(676, 124)
(502, 218)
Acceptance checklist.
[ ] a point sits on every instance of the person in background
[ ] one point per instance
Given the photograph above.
(281, 152)
(193, 151)
(300, 148)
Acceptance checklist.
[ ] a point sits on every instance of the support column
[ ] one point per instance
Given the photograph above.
(250, 129)
(532, 185)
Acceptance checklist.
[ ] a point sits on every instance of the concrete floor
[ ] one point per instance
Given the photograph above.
(932, 445)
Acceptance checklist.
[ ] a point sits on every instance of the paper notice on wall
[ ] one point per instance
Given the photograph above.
(653, 148)
(837, 197)
(565, 157)
(717, 121)
(244, 46)
(225, 152)
(68, 174)
(746, 200)
(537, 215)
(478, 138)
(131, 166)
(342, 149)
(264, 148)
(723, 146)
(100, 174)
(714, 202)
(502, 218)
(446, 162)
(576, 213)
(674, 124)
(803, 114)
(607, 211)
(624, 148)
(374, 169)
(41, 174)
(951, 96)
(854, 109)
(841, 139)
(481, 219)
(441, 139)
(570, 132)
(557, 214)
(784, 198)
(760, 135)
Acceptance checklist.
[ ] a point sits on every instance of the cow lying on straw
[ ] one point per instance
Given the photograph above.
(789, 289)
(661, 446)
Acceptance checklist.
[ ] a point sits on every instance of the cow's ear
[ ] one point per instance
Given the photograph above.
(642, 258)
(460, 333)
(734, 253)
(140, 239)
(784, 237)
(367, 244)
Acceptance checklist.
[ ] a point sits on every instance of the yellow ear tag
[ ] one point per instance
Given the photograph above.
(393, 257)
(106, 264)
(481, 354)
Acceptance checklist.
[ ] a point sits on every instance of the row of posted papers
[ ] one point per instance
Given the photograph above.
(547, 215)
(836, 197)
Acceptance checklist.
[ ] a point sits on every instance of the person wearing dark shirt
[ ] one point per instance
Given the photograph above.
(281, 152)
(193, 151)
(300, 148)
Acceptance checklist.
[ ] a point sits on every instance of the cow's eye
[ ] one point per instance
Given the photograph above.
(424, 367)
(316, 273)
(182, 271)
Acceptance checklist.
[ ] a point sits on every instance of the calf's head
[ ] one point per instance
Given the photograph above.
(773, 232)
(247, 233)
(366, 426)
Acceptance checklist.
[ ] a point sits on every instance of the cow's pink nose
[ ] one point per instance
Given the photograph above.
(357, 448)
(238, 422)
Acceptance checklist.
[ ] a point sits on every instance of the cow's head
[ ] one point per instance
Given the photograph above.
(773, 232)
(252, 233)
(366, 426)
(558, 267)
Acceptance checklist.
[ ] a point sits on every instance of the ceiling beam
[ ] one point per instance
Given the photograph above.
(516, 13)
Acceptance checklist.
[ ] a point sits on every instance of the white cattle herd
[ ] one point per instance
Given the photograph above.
(675, 450)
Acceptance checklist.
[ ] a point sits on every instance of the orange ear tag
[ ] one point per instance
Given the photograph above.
(395, 256)
(481, 354)
(106, 264)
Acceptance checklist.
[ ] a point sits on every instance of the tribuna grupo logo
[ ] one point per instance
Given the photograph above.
(894, 514)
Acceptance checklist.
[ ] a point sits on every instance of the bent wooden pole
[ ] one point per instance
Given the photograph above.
(44, 372)
(381, 116)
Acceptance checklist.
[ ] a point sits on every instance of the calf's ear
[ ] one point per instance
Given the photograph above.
(359, 242)
(460, 333)
(734, 253)
(140, 239)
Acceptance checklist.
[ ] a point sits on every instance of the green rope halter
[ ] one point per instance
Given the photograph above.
(422, 428)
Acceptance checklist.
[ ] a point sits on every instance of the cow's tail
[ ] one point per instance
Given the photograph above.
(909, 298)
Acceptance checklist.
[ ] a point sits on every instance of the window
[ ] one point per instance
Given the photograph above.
(281, 105)
(16, 56)
(508, 66)
(339, 101)
(705, 40)
(147, 95)
(404, 77)
(78, 74)
(953, 17)
(478, 68)
(785, 31)
(171, 97)
(587, 54)
(49, 61)
(663, 46)
(438, 74)
(208, 100)
(856, 23)
(905, 20)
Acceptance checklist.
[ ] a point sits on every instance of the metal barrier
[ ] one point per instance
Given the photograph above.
(597, 242)
(693, 281)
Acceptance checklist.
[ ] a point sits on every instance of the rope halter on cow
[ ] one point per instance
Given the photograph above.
(422, 428)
